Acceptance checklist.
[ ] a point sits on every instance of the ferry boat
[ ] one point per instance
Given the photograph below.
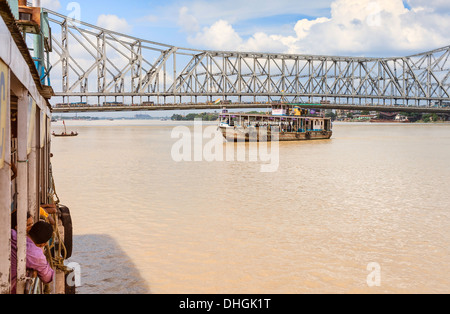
(285, 122)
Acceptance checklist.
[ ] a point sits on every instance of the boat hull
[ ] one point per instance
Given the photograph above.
(65, 135)
(239, 134)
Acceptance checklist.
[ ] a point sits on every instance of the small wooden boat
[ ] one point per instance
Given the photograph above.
(65, 133)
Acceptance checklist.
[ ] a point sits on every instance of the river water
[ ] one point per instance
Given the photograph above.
(365, 212)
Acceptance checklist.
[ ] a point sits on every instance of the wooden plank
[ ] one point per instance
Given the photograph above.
(22, 189)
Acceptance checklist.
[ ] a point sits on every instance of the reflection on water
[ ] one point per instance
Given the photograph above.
(372, 194)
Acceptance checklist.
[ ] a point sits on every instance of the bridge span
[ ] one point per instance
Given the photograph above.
(93, 65)
(197, 106)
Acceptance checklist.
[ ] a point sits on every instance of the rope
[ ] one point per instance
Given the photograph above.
(52, 191)
(60, 251)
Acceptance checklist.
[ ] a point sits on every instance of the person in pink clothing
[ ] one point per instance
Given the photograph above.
(37, 238)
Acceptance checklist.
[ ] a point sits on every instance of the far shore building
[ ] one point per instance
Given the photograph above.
(388, 115)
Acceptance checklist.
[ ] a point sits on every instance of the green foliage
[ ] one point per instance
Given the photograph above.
(177, 117)
(257, 112)
(192, 116)
(331, 115)
(431, 117)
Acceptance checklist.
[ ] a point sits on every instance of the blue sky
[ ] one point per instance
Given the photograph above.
(157, 20)
(330, 27)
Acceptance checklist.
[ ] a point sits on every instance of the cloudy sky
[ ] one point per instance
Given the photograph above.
(328, 27)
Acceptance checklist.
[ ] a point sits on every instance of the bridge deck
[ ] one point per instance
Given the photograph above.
(173, 107)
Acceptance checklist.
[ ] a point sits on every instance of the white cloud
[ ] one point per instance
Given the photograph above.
(187, 21)
(303, 27)
(114, 23)
(263, 42)
(356, 27)
(220, 35)
(53, 5)
(382, 26)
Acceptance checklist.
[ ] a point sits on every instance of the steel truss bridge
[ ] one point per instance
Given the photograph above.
(94, 69)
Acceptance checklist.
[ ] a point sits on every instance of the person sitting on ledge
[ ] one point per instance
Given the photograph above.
(37, 239)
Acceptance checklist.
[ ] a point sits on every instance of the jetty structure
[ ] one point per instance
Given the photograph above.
(27, 187)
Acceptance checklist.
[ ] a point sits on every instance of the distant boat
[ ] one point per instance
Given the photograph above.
(65, 133)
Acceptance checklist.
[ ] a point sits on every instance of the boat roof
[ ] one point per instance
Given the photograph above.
(269, 116)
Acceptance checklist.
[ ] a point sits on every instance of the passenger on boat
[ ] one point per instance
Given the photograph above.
(45, 212)
(30, 221)
(37, 239)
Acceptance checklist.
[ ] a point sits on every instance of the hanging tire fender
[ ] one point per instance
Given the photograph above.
(66, 220)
